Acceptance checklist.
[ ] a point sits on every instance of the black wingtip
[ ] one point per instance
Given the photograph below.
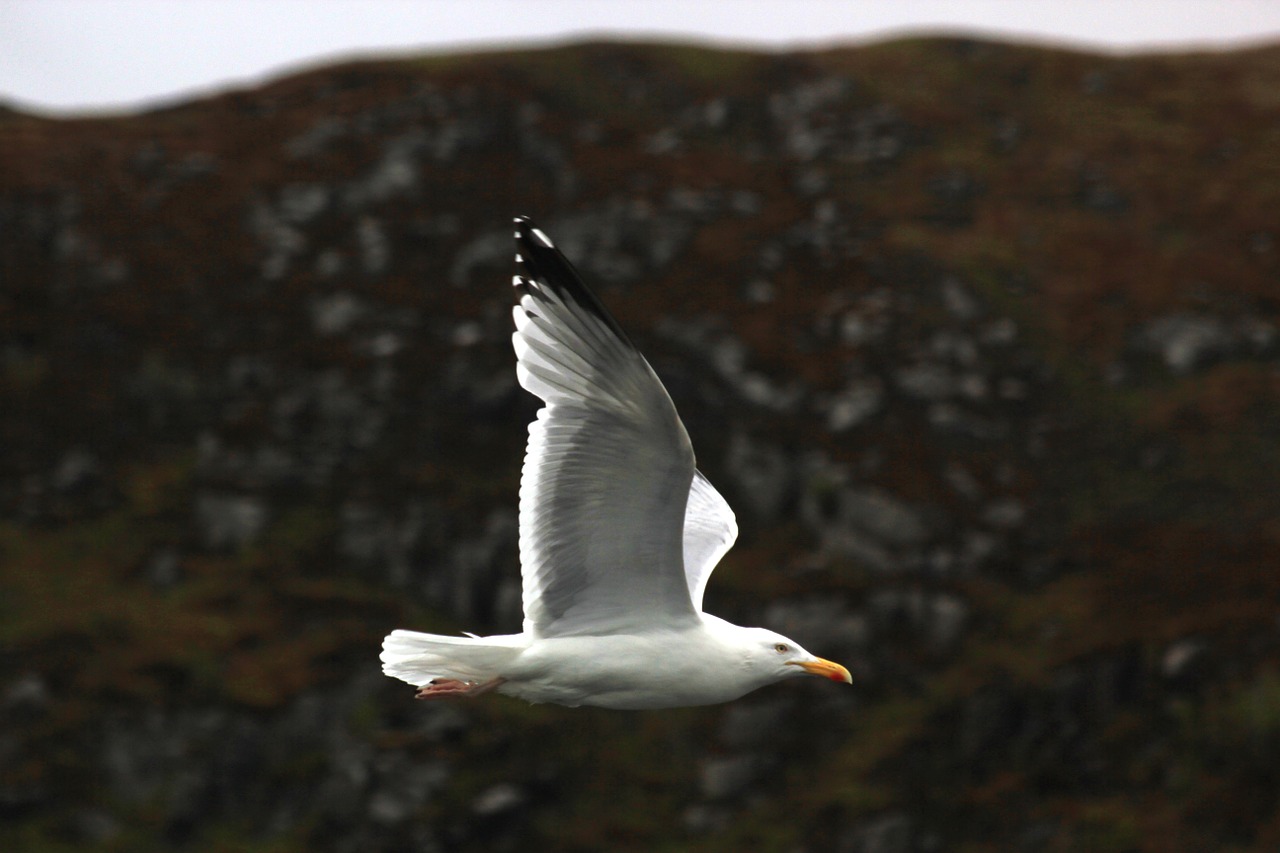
(528, 232)
(544, 263)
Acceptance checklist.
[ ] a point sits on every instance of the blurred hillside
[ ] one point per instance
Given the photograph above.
(981, 342)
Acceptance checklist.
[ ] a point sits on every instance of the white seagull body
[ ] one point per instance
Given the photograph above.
(618, 534)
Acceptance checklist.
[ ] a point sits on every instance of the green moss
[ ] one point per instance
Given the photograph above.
(41, 837)
(59, 582)
(706, 65)
(230, 838)
(236, 628)
(24, 372)
(1107, 827)
(296, 533)
(1255, 707)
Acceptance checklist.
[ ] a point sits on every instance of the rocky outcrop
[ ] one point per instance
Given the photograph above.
(963, 331)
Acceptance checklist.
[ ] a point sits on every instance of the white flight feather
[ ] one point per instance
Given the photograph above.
(606, 481)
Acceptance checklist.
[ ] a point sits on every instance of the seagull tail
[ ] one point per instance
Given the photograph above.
(418, 658)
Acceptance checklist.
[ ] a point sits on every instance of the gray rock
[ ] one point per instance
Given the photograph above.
(27, 693)
(954, 346)
(878, 136)
(745, 202)
(439, 722)
(375, 248)
(764, 476)
(545, 151)
(890, 833)
(962, 482)
(926, 381)
(951, 419)
(855, 330)
(301, 202)
(974, 387)
(760, 390)
(280, 241)
(249, 373)
(498, 799)
(664, 141)
(93, 826)
(812, 181)
(725, 777)
(703, 818)
(938, 617)
(403, 786)
(470, 581)
(383, 344)
(728, 356)
(390, 806)
(864, 523)
(362, 532)
(959, 302)
(335, 313)
(385, 542)
(948, 616)
(226, 522)
(861, 549)
(466, 333)
(1186, 341)
(1183, 658)
(139, 753)
(999, 332)
(883, 516)
(246, 468)
(76, 469)
(163, 569)
(1012, 388)
(1256, 334)
(315, 139)
(330, 263)
(759, 291)
(1005, 513)
(854, 405)
(488, 251)
(750, 722)
(394, 175)
(819, 622)
(977, 549)
(797, 115)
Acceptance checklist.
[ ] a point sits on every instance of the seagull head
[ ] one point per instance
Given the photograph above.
(776, 657)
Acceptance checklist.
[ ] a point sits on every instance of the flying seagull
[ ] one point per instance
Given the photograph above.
(619, 532)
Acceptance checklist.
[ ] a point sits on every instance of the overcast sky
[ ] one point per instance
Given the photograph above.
(66, 55)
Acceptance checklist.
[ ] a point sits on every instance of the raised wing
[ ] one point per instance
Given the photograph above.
(608, 467)
(710, 530)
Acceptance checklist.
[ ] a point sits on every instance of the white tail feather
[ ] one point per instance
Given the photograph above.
(418, 658)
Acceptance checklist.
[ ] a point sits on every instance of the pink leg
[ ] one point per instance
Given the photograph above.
(442, 687)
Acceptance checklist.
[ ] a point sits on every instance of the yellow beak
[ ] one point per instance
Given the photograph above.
(825, 668)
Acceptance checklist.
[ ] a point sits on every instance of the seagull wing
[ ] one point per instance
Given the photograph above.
(710, 530)
(608, 468)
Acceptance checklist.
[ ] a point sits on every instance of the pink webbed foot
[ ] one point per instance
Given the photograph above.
(440, 688)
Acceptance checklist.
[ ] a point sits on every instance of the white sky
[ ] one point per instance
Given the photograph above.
(58, 56)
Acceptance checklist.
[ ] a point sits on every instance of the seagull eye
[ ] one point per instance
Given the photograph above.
(781, 648)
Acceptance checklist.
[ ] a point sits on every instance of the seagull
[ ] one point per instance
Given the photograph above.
(619, 533)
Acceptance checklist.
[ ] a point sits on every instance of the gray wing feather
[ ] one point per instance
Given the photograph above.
(607, 470)
(710, 530)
